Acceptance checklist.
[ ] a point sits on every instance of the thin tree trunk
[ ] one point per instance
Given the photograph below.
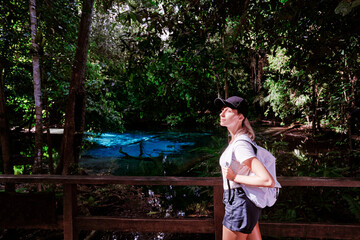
(319, 111)
(37, 90)
(253, 69)
(257, 62)
(352, 106)
(217, 84)
(76, 105)
(47, 122)
(239, 28)
(353, 97)
(314, 117)
(226, 87)
(5, 135)
(315, 105)
(261, 65)
(4, 130)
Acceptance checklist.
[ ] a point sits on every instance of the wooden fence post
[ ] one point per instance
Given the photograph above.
(219, 211)
(70, 212)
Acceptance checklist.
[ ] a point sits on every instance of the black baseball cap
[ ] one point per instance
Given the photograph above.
(234, 102)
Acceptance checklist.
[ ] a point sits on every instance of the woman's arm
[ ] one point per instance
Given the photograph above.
(262, 177)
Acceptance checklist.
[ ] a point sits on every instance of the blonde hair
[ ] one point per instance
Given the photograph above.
(246, 129)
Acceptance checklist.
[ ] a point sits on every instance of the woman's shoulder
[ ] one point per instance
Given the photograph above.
(243, 138)
(243, 142)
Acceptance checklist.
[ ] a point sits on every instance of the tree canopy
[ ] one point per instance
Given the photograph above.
(164, 61)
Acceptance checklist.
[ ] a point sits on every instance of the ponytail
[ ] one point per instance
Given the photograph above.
(246, 129)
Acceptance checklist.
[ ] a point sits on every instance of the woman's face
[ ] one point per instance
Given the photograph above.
(229, 117)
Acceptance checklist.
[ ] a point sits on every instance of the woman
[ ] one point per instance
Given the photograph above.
(237, 162)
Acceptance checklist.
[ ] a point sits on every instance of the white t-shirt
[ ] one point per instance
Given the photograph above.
(242, 150)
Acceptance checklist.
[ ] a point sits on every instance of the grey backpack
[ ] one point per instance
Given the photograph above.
(262, 196)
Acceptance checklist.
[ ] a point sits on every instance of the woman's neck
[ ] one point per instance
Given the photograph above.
(234, 129)
(234, 134)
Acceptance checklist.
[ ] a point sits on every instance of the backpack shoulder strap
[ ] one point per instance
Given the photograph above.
(246, 138)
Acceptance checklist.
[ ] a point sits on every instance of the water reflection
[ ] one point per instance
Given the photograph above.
(141, 153)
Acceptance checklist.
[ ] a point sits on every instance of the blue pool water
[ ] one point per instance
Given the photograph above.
(141, 153)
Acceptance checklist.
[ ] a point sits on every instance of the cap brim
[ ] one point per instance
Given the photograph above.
(220, 103)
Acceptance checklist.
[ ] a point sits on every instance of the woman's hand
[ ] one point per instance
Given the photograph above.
(229, 173)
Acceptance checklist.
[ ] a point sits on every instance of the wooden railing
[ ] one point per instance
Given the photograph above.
(71, 223)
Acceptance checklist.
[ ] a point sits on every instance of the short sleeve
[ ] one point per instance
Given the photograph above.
(243, 150)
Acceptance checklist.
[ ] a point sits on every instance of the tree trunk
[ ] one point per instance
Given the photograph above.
(226, 87)
(47, 122)
(4, 129)
(353, 104)
(239, 28)
(262, 61)
(75, 108)
(37, 90)
(257, 62)
(353, 98)
(314, 108)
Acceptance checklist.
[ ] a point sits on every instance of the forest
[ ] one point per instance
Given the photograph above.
(95, 66)
(114, 65)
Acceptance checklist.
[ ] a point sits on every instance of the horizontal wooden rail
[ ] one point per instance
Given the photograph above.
(318, 182)
(205, 225)
(296, 230)
(100, 180)
(311, 230)
(71, 223)
(176, 181)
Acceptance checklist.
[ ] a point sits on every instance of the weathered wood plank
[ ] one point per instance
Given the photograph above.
(202, 225)
(318, 182)
(168, 180)
(72, 223)
(219, 210)
(127, 180)
(27, 209)
(70, 212)
(310, 230)
(58, 225)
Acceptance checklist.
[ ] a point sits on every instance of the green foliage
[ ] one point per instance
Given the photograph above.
(157, 63)
(354, 204)
(166, 61)
(19, 169)
(173, 119)
(285, 102)
(314, 204)
(22, 169)
(328, 166)
(102, 104)
(57, 26)
(210, 166)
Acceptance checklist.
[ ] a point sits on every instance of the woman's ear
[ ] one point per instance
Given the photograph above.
(241, 116)
(241, 119)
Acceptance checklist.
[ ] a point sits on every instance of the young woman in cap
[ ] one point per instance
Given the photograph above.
(237, 162)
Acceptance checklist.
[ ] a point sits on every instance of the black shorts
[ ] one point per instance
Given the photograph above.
(241, 214)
